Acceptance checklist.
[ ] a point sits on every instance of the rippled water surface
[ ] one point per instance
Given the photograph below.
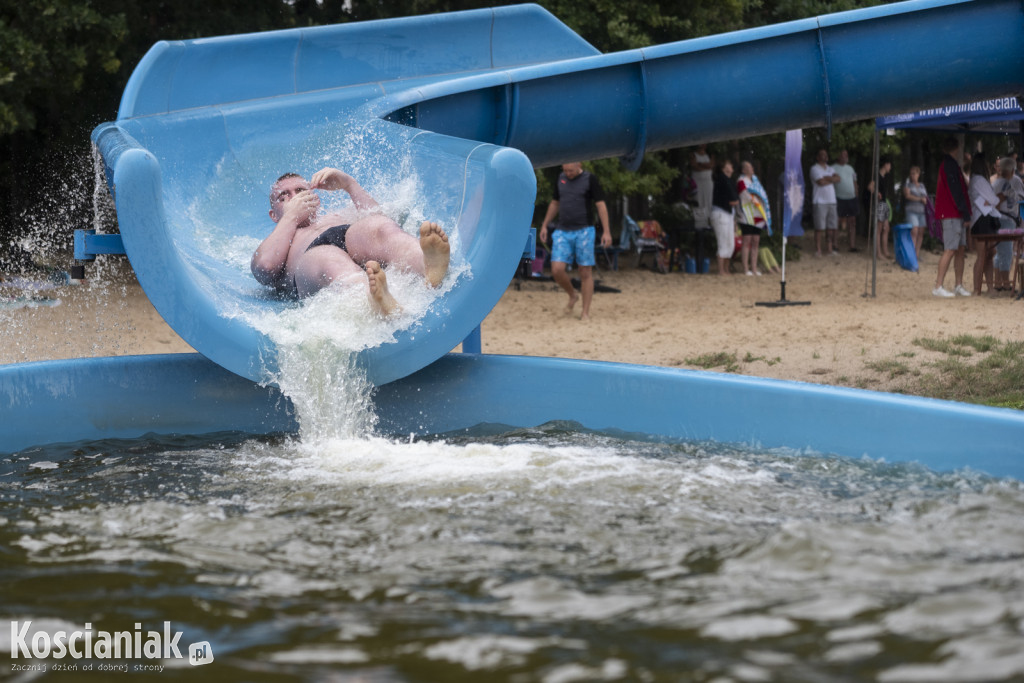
(545, 554)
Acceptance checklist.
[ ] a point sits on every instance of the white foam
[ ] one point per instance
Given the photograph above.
(309, 655)
(43, 465)
(475, 466)
(751, 627)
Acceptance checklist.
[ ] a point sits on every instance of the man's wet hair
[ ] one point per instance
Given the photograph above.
(286, 176)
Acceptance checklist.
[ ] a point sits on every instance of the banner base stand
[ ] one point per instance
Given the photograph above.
(782, 301)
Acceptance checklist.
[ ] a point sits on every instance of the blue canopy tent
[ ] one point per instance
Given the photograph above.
(1000, 116)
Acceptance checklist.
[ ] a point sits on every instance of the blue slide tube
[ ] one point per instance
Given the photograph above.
(467, 103)
(802, 74)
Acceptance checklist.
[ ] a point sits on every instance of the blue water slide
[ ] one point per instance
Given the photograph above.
(205, 126)
(467, 103)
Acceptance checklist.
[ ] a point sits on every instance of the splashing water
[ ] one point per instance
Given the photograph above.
(92, 317)
(317, 339)
(329, 390)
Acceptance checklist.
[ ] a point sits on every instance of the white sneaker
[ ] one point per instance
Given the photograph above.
(757, 273)
(750, 273)
(960, 291)
(943, 292)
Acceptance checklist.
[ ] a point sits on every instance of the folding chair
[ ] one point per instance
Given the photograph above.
(644, 245)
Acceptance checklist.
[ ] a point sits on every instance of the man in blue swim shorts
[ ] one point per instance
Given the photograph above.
(309, 250)
(573, 238)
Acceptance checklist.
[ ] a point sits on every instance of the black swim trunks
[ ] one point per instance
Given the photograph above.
(334, 236)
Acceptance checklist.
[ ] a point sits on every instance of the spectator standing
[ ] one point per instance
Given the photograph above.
(985, 219)
(826, 219)
(701, 166)
(883, 211)
(1010, 189)
(953, 210)
(573, 239)
(915, 201)
(753, 218)
(724, 201)
(847, 190)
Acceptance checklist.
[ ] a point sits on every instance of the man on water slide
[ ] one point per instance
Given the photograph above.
(308, 251)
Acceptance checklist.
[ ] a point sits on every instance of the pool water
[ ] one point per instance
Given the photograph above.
(549, 554)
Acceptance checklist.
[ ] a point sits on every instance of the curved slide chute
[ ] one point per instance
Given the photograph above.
(467, 103)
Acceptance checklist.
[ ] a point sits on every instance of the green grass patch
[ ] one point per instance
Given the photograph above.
(945, 346)
(975, 370)
(751, 358)
(720, 359)
(979, 344)
(893, 368)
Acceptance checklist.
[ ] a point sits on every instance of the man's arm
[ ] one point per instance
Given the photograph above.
(268, 263)
(333, 179)
(818, 178)
(548, 217)
(270, 260)
(602, 213)
(828, 179)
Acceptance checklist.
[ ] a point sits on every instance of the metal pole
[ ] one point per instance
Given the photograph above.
(873, 207)
(784, 240)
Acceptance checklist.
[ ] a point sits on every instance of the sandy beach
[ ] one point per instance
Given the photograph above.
(670, 320)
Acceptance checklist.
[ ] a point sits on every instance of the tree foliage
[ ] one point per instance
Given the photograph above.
(50, 49)
(612, 25)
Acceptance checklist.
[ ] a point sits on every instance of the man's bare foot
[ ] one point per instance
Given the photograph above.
(573, 298)
(380, 296)
(584, 317)
(436, 252)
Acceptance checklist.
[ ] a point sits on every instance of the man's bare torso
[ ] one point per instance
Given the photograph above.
(305, 236)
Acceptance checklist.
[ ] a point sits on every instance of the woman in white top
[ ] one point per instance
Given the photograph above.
(984, 219)
(915, 197)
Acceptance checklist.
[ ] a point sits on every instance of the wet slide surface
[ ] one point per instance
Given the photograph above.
(444, 117)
